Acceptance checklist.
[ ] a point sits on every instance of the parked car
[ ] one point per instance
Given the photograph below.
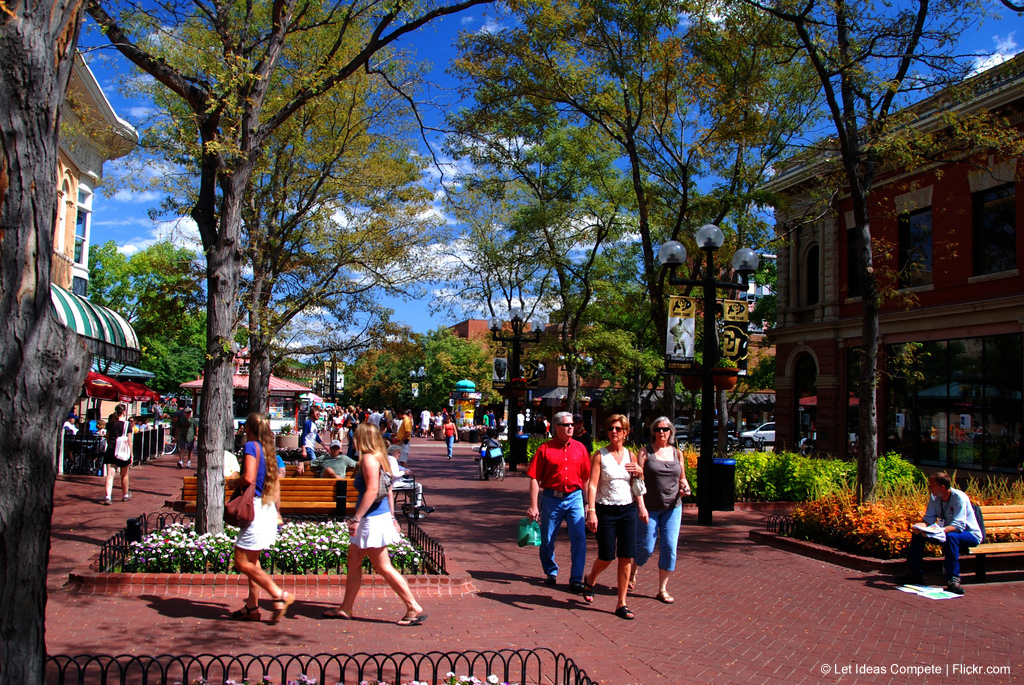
(765, 434)
(692, 434)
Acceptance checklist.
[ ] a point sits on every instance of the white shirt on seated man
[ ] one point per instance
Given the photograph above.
(403, 479)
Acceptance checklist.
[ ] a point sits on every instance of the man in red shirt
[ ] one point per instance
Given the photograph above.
(558, 473)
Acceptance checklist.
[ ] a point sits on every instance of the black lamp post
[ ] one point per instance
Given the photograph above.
(672, 254)
(517, 447)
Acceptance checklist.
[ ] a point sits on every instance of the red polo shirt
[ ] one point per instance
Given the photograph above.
(565, 468)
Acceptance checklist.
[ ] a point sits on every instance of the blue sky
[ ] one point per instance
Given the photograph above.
(122, 215)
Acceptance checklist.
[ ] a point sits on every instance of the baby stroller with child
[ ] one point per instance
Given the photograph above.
(492, 459)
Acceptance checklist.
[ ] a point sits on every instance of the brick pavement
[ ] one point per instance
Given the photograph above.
(744, 613)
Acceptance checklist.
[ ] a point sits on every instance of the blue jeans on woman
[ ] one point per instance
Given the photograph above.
(450, 441)
(662, 526)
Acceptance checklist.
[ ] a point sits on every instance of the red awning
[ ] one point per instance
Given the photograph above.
(105, 388)
(140, 392)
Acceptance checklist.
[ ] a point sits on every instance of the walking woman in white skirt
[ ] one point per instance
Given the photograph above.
(372, 529)
(261, 533)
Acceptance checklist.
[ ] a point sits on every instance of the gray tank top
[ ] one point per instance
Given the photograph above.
(662, 480)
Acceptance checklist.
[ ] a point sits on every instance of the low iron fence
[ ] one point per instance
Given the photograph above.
(521, 666)
(83, 453)
(114, 552)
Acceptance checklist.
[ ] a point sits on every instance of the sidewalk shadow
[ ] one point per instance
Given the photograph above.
(185, 607)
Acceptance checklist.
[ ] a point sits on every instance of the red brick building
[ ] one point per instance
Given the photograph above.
(951, 390)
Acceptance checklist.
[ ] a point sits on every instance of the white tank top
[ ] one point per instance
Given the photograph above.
(613, 486)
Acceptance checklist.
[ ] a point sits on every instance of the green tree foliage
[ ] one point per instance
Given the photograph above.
(693, 112)
(870, 63)
(159, 291)
(238, 94)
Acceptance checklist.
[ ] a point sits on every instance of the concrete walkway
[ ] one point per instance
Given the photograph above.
(744, 613)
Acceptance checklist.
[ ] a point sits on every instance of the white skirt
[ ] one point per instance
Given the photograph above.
(262, 532)
(375, 531)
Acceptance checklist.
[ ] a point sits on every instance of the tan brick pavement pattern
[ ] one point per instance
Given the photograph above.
(744, 613)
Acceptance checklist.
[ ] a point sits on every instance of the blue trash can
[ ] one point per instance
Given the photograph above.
(723, 477)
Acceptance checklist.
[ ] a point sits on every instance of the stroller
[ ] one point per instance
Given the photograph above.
(492, 459)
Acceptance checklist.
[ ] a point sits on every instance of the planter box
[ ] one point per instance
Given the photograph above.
(288, 442)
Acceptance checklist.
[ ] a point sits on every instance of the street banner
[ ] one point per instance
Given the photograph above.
(499, 372)
(735, 314)
(681, 337)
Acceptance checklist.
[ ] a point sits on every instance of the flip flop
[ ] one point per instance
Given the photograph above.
(588, 593)
(337, 612)
(246, 614)
(412, 620)
(624, 612)
(665, 597)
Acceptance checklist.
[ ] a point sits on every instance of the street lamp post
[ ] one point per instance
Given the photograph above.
(672, 254)
(517, 447)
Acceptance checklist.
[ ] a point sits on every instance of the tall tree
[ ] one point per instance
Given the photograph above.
(645, 81)
(237, 100)
(870, 61)
(42, 363)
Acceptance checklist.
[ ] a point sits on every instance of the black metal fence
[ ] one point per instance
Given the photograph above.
(522, 666)
(83, 454)
(825, 535)
(114, 552)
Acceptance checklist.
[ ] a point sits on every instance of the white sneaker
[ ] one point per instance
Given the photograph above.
(181, 464)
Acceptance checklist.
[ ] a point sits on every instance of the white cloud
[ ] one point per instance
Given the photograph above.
(468, 20)
(141, 112)
(1006, 48)
(491, 26)
(141, 197)
(182, 232)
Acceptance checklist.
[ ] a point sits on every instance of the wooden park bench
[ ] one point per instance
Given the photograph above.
(999, 519)
(299, 495)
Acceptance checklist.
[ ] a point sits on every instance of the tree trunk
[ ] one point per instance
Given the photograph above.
(259, 374)
(722, 411)
(223, 266)
(867, 434)
(43, 363)
(572, 392)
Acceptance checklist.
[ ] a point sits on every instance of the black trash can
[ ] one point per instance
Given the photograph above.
(474, 435)
(723, 475)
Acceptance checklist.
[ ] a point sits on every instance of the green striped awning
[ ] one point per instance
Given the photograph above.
(107, 332)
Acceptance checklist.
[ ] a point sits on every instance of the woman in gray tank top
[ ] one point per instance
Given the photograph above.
(661, 509)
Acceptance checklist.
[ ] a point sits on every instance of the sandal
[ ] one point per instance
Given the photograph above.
(337, 612)
(587, 592)
(412, 620)
(624, 612)
(281, 605)
(246, 614)
(665, 597)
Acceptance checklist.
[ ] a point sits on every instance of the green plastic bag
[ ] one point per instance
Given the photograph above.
(529, 532)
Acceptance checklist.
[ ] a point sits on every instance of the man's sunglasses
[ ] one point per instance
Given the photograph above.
(564, 425)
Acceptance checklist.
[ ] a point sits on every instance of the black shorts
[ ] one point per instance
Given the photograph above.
(616, 531)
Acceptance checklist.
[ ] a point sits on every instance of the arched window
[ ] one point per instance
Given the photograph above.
(812, 274)
(62, 217)
(805, 383)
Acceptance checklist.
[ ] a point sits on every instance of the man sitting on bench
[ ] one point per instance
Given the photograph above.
(949, 520)
(336, 464)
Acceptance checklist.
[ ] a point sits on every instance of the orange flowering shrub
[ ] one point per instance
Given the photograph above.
(882, 529)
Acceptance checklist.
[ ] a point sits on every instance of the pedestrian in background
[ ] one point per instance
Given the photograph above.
(118, 426)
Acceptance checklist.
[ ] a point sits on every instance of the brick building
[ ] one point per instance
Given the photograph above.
(951, 352)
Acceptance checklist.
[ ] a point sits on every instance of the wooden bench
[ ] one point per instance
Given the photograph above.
(1000, 519)
(299, 495)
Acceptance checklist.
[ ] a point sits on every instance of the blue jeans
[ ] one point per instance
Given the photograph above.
(662, 526)
(951, 548)
(553, 510)
(450, 441)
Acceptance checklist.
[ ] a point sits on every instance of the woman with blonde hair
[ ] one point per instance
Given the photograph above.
(373, 528)
(664, 473)
(261, 532)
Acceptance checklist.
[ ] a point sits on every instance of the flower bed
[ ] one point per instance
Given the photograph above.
(318, 547)
(882, 529)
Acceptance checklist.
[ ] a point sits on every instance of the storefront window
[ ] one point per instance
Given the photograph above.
(957, 403)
